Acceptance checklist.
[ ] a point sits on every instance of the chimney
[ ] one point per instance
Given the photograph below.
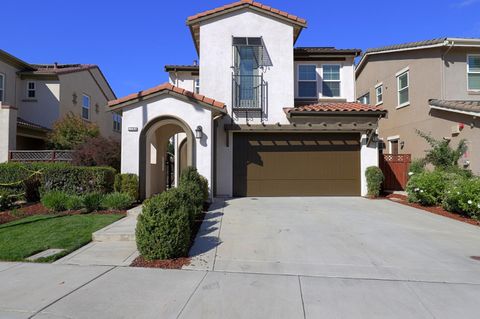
(55, 65)
(195, 62)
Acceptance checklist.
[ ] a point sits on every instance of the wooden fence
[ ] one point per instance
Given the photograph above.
(395, 169)
(40, 156)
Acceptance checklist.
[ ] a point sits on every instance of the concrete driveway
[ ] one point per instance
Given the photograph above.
(347, 237)
(289, 258)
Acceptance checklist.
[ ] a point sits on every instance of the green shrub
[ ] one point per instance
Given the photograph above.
(192, 196)
(74, 202)
(55, 201)
(117, 200)
(204, 185)
(417, 166)
(463, 197)
(375, 179)
(427, 188)
(163, 229)
(195, 183)
(127, 183)
(6, 199)
(92, 201)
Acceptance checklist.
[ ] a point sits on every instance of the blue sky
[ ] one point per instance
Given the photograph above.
(131, 41)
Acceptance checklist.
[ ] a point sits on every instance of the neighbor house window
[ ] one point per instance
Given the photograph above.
(364, 99)
(307, 81)
(197, 86)
(86, 107)
(393, 144)
(402, 85)
(2, 87)
(331, 80)
(379, 94)
(117, 122)
(473, 71)
(31, 90)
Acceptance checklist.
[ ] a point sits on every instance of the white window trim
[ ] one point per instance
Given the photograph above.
(89, 106)
(399, 74)
(390, 139)
(406, 69)
(34, 89)
(471, 72)
(379, 85)
(339, 80)
(2, 79)
(362, 96)
(298, 81)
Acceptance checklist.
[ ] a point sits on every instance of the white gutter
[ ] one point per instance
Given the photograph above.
(474, 114)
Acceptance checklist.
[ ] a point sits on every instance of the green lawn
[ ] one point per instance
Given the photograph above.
(23, 238)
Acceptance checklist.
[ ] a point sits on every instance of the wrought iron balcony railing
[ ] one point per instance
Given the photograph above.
(248, 92)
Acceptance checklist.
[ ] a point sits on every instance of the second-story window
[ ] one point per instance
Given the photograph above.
(473, 71)
(197, 86)
(364, 99)
(117, 122)
(331, 80)
(379, 94)
(307, 80)
(2, 87)
(86, 107)
(402, 85)
(31, 90)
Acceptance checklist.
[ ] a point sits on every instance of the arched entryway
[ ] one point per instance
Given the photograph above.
(154, 141)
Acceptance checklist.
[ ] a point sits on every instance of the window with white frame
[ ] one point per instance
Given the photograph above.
(473, 72)
(86, 107)
(2, 87)
(307, 80)
(402, 86)
(331, 80)
(364, 99)
(197, 86)
(379, 94)
(31, 90)
(117, 122)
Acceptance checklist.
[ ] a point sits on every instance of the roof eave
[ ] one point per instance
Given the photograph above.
(447, 109)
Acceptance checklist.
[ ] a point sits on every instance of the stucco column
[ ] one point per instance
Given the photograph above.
(8, 130)
(368, 157)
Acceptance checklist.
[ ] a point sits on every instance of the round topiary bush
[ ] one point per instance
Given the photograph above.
(163, 228)
(375, 179)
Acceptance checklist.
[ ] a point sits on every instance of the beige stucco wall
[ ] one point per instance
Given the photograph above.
(44, 109)
(11, 83)
(456, 85)
(8, 131)
(85, 82)
(425, 82)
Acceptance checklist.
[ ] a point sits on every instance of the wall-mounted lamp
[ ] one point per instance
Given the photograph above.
(199, 132)
(402, 144)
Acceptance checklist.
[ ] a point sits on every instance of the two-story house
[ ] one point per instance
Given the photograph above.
(432, 86)
(256, 116)
(34, 96)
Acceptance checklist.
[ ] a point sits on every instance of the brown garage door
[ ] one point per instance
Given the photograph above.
(296, 164)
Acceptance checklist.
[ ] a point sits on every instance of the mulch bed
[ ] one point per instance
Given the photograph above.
(38, 209)
(402, 199)
(176, 263)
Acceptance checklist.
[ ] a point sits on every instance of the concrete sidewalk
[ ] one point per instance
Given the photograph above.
(68, 291)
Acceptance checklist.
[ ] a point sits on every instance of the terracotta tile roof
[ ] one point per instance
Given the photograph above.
(247, 3)
(60, 68)
(334, 107)
(457, 105)
(169, 88)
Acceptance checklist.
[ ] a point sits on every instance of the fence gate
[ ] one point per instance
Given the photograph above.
(395, 169)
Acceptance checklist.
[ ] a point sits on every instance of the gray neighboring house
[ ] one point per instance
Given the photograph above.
(433, 86)
(34, 96)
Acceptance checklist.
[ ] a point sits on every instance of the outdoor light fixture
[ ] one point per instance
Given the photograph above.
(199, 132)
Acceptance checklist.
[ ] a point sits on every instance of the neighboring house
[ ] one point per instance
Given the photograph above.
(34, 96)
(268, 119)
(432, 86)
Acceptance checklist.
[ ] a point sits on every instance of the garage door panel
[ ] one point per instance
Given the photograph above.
(296, 164)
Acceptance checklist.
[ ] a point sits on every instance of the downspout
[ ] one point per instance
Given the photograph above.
(452, 44)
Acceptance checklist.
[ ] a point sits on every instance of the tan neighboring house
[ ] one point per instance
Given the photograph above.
(433, 86)
(34, 96)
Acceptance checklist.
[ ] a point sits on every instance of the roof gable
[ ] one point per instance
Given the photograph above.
(170, 89)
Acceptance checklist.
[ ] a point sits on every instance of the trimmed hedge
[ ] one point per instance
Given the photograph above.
(163, 229)
(463, 197)
(127, 183)
(32, 179)
(375, 179)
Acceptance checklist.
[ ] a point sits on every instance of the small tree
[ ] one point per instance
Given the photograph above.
(98, 151)
(442, 155)
(71, 131)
